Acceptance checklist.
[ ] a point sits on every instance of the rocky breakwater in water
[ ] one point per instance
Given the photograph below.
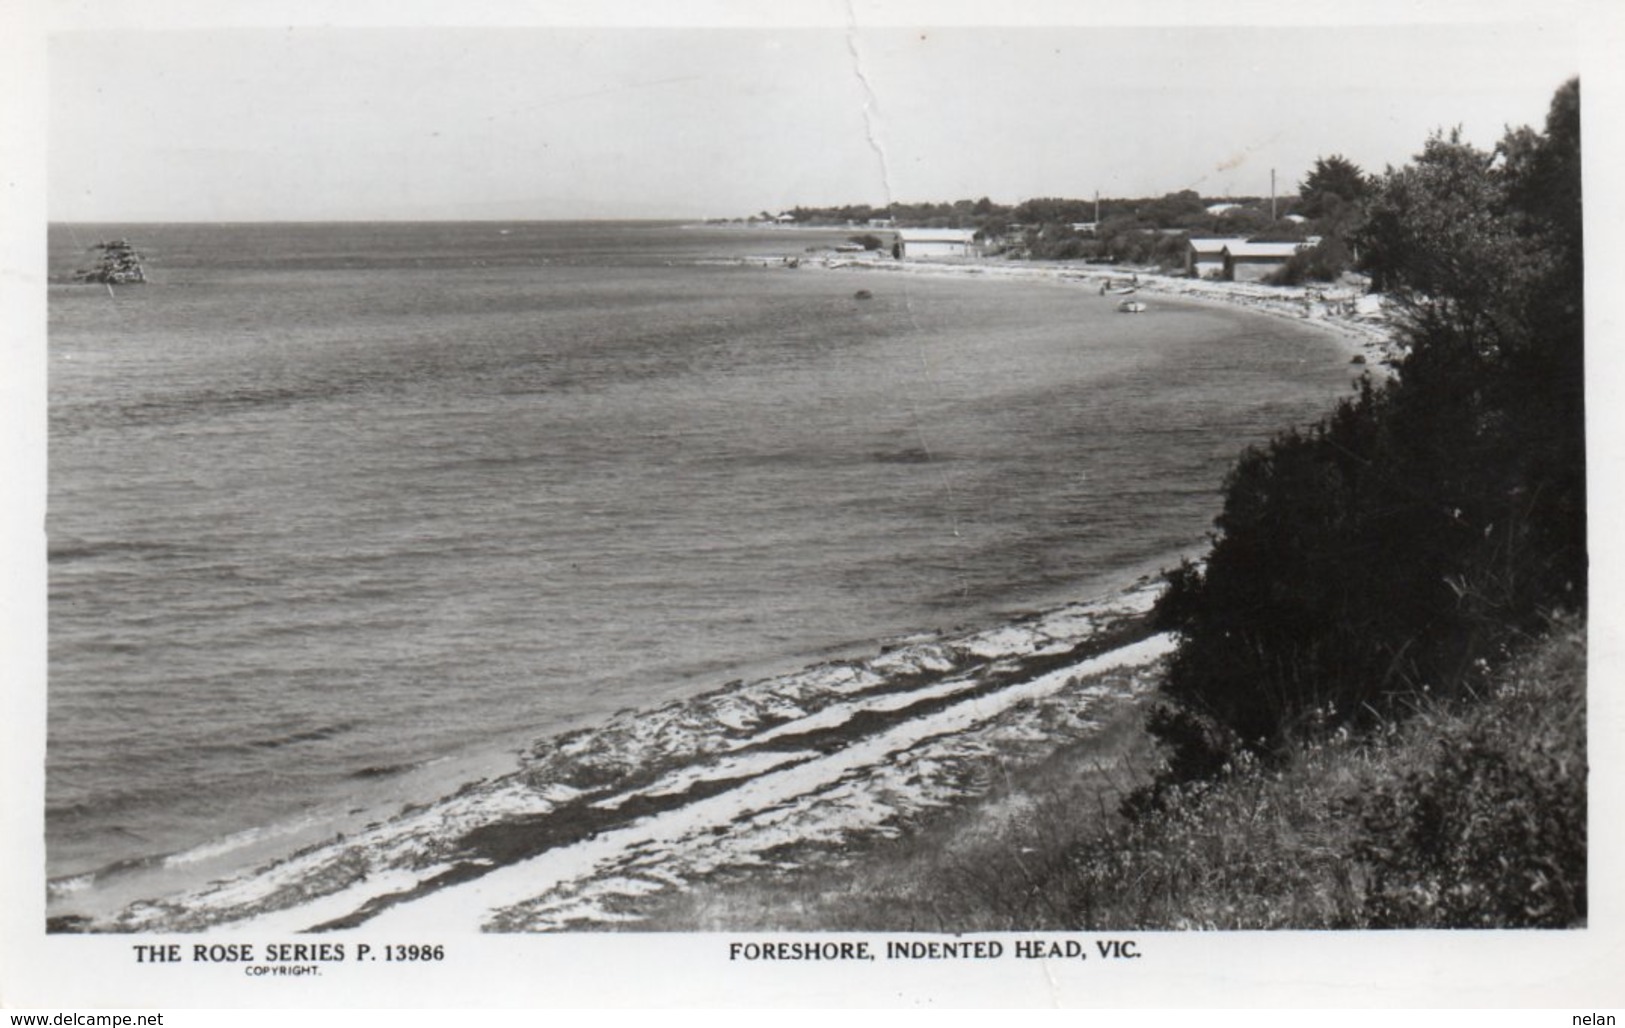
(775, 772)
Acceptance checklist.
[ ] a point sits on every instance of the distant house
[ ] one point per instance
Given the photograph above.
(1086, 228)
(1252, 262)
(1216, 209)
(1204, 258)
(916, 243)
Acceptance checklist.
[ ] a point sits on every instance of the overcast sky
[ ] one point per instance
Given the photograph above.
(527, 122)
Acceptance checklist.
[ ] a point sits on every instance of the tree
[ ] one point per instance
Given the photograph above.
(1282, 231)
(1053, 211)
(1176, 210)
(1246, 220)
(1333, 186)
(1437, 229)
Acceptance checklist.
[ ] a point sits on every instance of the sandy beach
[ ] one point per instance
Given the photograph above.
(1361, 320)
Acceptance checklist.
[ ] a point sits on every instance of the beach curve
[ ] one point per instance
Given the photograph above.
(596, 820)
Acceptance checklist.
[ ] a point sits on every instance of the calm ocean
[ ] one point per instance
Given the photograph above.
(334, 504)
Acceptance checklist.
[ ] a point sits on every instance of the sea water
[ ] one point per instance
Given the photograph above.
(332, 504)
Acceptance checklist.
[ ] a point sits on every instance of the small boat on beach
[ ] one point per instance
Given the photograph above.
(1131, 307)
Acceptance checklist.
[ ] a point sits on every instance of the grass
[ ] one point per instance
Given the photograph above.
(1467, 813)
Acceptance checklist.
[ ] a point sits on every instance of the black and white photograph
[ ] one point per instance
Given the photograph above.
(1099, 496)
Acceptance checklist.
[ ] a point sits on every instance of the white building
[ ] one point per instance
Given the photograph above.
(1204, 258)
(1253, 262)
(916, 243)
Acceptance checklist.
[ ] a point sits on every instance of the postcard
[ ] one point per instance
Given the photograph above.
(823, 504)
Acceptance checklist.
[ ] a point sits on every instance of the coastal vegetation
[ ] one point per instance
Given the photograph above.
(1404, 548)
(1465, 813)
(1427, 526)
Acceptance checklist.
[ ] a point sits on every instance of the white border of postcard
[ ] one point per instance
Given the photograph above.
(1284, 969)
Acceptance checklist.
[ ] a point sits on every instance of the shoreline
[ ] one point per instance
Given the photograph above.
(93, 894)
(1359, 320)
(565, 825)
(595, 819)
